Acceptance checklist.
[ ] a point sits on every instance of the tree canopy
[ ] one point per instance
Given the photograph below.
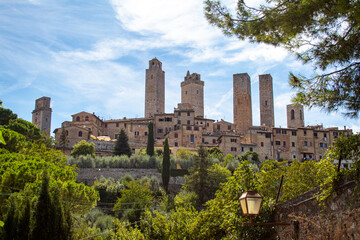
(24, 155)
(323, 32)
(83, 148)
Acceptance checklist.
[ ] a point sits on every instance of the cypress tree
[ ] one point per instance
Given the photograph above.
(165, 173)
(63, 139)
(49, 218)
(24, 222)
(10, 226)
(122, 144)
(150, 141)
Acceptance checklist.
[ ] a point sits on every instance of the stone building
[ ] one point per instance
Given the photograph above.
(186, 126)
(41, 116)
(154, 89)
(266, 100)
(192, 92)
(242, 102)
(295, 116)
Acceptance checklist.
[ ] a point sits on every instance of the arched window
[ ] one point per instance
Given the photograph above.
(87, 118)
(301, 117)
(292, 114)
(80, 133)
(67, 132)
(78, 119)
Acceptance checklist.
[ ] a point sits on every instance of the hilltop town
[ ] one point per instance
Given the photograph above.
(187, 127)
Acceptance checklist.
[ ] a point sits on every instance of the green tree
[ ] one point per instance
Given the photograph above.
(165, 173)
(122, 144)
(48, 220)
(135, 198)
(10, 227)
(150, 140)
(124, 230)
(197, 180)
(13, 141)
(2, 140)
(23, 229)
(323, 32)
(28, 129)
(6, 115)
(216, 152)
(63, 139)
(83, 148)
(253, 157)
(183, 154)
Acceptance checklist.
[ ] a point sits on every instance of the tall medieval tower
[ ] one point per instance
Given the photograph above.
(295, 116)
(192, 92)
(266, 100)
(41, 116)
(154, 89)
(242, 102)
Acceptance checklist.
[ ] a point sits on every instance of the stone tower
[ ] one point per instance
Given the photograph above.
(41, 116)
(154, 89)
(295, 116)
(242, 102)
(192, 92)
(266, 100)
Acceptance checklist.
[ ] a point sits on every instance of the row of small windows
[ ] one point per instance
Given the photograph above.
(228, 127)
(234, 149)
(188, 113)
(166, 119)
(278, 143)
(281, 131)
(78, 118)
(197, 92)
(292, 114)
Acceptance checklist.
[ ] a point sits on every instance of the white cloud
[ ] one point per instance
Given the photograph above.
(283, 99)
(256, 53)
(177, 21)
(182, 24)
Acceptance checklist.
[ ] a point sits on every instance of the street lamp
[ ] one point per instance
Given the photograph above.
(250, 202)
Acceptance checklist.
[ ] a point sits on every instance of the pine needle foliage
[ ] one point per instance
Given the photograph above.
(150, 140)
(122, 144)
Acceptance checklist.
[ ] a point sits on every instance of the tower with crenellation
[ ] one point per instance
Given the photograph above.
(295, 116)
(192, 92)
(41, 116)
(154, 89)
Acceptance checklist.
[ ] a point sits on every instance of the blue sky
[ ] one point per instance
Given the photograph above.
(92, 55)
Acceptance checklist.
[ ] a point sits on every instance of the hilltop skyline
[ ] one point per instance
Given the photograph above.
(92, 57)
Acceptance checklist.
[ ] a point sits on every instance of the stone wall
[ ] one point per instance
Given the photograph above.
(340, 219)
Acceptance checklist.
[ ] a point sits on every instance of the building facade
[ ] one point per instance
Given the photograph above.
(186, 126)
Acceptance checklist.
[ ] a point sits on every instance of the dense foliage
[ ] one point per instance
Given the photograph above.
(323, 32)
(83, 148)
(134, 200)
(24, 155)
(123, 161)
